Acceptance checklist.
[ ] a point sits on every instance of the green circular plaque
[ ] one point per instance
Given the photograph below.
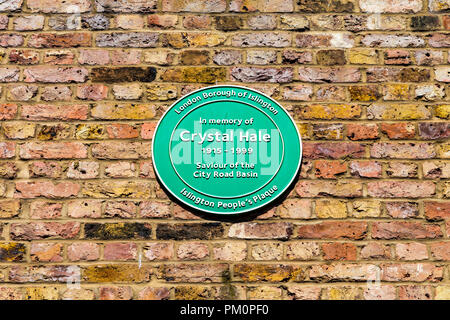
(226, 150)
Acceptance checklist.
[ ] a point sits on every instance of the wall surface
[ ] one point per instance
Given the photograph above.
(83, 83)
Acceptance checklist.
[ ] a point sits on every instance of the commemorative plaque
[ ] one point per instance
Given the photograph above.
(226, 150)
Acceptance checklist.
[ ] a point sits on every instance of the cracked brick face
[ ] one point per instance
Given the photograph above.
(83, 84)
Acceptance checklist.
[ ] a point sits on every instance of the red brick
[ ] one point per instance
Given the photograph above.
(83, 251)
(7, 150)
(405, 230)
(116, 293)
(92, 92)
(46, 189)
(333, 230)
(43, 273)
(366, 169)
(402, 210)
(53, 150)
(120, 251)
(329, 169)
(44, 230)
(412, 292)
(341, 188)
(66, 40)
(362, 131)
(46, 252)
(50, 74)
(151, 293)
(192, 251)
(49, 169)
(411, 251)
(339, 251)
(8, 111)
(122, 131)
(53, 112)
(401, 189)
(414, 272)
(312, 150)
(437, 210)
(45, 210)
(398, 130)
(440, 250)
(148, 129)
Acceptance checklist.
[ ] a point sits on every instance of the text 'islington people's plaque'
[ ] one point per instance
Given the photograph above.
(226, 150)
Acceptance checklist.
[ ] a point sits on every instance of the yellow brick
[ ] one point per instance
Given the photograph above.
(442, 111)
(363, 56)
(443, 293)
(362, 209)
(44, 293)
(19, 130)
(396, 92)
(344, 293)
(331, 209)
(330, 111)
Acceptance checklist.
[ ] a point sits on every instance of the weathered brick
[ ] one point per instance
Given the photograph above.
(45, 210)
(123, 111)
(132, 39)
(434, 130)
(44, 230)
(116, 293)
(120, 251)
(343, 272)
(114, 231)
(189, 231)
(206, 6)
(267, 272)
(402, 170)
(331, 74)
(150, 293)
(389, 6)
(330, 150)
(43, 273)
(230, 251)
(117, 189)
(263, 6)
(403, 150)
(122, 150)
(123, 74)
(116, 273)
(53, 150)
(405, 230)
(67, 40)
(47, 74)
(281, 230)
(48, 6)
(367, 169)
(437, 210)
(192, 251)
(268, 39)
(392, 41)
(8, 111)
(193, 272)
(46, 189)
(194, 74)
(56, 112)
(339, 251)
(12, 252)
(333, 230)
(390, 74)
(414, 272)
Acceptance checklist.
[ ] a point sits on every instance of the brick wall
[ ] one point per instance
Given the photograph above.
(366, 81)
